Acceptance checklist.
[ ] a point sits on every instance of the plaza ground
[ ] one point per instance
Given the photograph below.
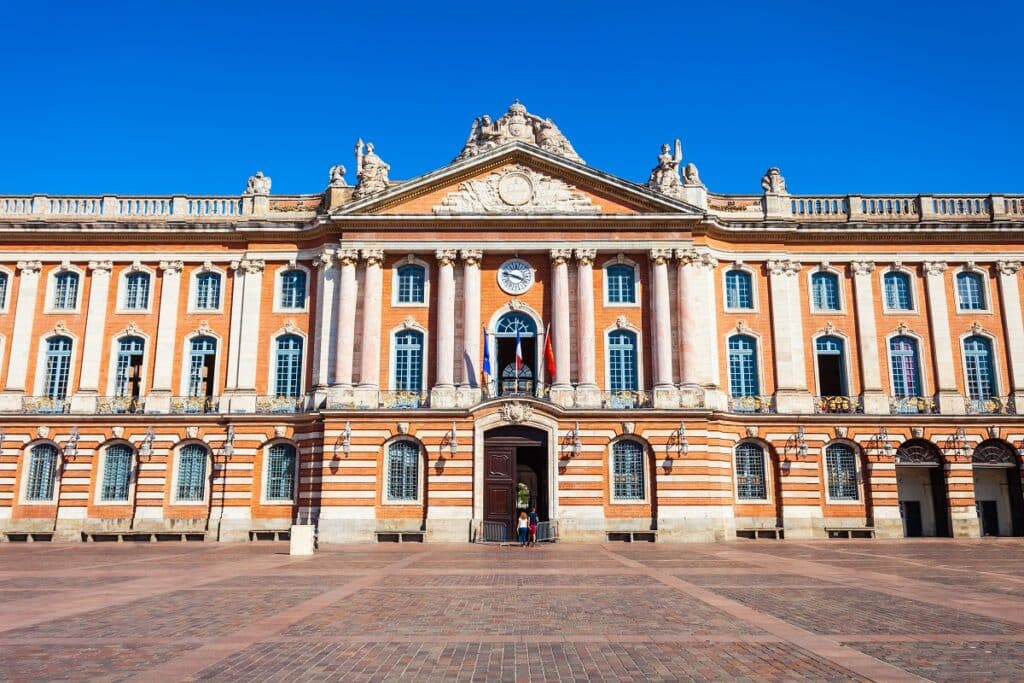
(751, 610)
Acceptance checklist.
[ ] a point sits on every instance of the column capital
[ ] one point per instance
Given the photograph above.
(472, 257)
(172, 267)
(586, 256)
(348, 257)
(251, 266)
(783, 267)
(660, 256)
(862, 267)
(373, 257)
(30, 267)
(560, 256)
(445, 257)
(323, 259)
(101, 266)
(934, 267)
(1008, 267)
(696, 257)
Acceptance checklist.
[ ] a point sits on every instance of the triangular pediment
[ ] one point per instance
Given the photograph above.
(516, 180)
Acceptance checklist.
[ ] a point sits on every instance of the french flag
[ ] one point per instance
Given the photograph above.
(519, 354)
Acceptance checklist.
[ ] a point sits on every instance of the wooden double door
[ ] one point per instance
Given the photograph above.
(515, 474)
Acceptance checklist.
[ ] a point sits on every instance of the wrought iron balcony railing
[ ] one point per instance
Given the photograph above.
(403, 399)
(993, 405)
(120, 405)
(44, 404)
(280, 404)
(848, 405)
(625, 400)
(752, 404)
(194, 405)
(913, 405)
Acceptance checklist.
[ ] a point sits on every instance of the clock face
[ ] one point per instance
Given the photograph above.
(515, 276)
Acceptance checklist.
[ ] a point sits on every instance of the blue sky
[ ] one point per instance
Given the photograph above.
(191, 97)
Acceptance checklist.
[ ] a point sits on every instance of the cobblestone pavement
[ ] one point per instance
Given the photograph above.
(756, 610)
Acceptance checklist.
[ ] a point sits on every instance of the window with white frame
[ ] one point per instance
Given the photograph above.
(58, 367)
(627, 470)
(191, 484)
(117, 473)
(293, 289)
(136, 292)
(41, 472)
(825, 292)
(412, 284)
(128, 371)
(3, 289)
(408, 367)
(898, 296)
(905, 367)
(288, 366)
(981, 384)
(281, 463)
(970, 288)
(201, 364)
(841, 470)
(403, 471)
(622, 361)
(751, 482)
(207, 292)
(65, 291)
(739, 289)
(620, 282)
(742, 354)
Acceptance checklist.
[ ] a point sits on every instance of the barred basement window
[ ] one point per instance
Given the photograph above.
(281, 472)
(750, 472)
(117, 473)
(136, 292)
(841, 469)
(628, 470)
(192, 473)
(403, 471)
(42, 469)
(293, 289)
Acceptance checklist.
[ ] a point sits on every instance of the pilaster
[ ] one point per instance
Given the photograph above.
(84, 400)
(159, 399)
(561, 389)
(348, 291)
(443, 393)
(951, 401)
(588, 394)
(326, 280)
(244, 398)
(21, 336)
(875, 400)
(665, 393)
(1009, 296)
(791, 393)
(369, 371)
(697, 314)
(469, 388)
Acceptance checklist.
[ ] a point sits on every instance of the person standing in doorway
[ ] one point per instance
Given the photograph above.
(524, 528)
(534, 521)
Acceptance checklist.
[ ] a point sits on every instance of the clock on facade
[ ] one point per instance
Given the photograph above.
(515, 276)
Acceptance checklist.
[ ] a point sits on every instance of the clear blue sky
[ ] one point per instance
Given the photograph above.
(192, 97)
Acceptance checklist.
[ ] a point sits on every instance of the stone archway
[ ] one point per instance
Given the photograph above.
(921, 486)
(997, 489)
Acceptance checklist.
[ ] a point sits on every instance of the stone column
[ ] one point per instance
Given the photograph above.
(875, 400)
(369, 371)
(244, 399)
(234, 328)
(791, 393)
(21, 336)
(561, 388)
(84, 400)
(159, 398)
(345, 352)
(697, 308)
(665, 393)
(325, 281)
(588, 394)
(951, 401)
(472, 332)
(1009, 295)
(443, 393)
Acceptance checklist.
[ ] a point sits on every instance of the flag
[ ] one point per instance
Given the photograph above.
(486, 368)
(519, 354)
(549, 355)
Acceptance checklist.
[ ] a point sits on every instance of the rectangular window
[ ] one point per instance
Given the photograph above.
(65, 291)
(842, 473)
(408, 361)
(208, 292)
(57, 368)
(42, 468)
(750, 476)
(622, 368)
(403, 471)
(293, 289)
(897, 292)
(281, 472)
(192, 474)
(621, 284)
(738, 290)
(117, 471)
(628, 471)
(411, 284)
(136, 295)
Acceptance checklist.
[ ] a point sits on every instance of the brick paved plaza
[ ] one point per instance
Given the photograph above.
(757, 610)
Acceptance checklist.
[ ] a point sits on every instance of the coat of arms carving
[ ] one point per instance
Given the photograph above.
(516, 190)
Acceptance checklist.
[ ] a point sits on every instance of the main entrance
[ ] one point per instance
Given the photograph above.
(515, 474)
(921, 487)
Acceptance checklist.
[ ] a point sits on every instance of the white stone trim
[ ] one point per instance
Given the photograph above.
(264, 471)
(986, 289)
(648, 461)
(101, 463)
(122, 289)
(172, 483)
(768, 467)
(288, 329)
(997, 379)
(115, 340)
(40, 378)
(186, 350)
(620, 260)
(51, 284)
(623, 324)
(912, 281)
(743, 267)
(206, 267)
(759, 355)
(408, 324)
(921, 361)
(420, 470)
(858, 470)
(413, 260)
(58, 473)
(847, 365)
(279, 271)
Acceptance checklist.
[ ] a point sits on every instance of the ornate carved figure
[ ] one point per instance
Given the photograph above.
(773, 182)
(516, 190)
(371, 171)
(665, 176)
(516, 125)
(338, 176)
(258, 184)
(691, 176)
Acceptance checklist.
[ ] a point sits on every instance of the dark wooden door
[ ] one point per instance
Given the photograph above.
(912, 522)
(499, 484)
(989, 514)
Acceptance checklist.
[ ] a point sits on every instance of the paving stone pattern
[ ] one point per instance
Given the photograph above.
(748, 611)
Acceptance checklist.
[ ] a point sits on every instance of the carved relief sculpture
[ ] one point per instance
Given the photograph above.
(371, 171)
(773, 182)
(337, 177)
(258, 184)
(516, 125)
(665, 175)
(515, 190)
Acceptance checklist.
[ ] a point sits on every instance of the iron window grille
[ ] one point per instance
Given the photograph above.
(750, 472)
(281, 472)
(192, 473)
(628, 470)
(841, 469)
(42, 470)
(403, 471)
(117, 473)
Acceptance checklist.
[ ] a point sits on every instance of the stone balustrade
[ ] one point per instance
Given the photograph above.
(178, 207)
(863, 208)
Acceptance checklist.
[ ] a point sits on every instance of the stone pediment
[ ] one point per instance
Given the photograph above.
(518, 190)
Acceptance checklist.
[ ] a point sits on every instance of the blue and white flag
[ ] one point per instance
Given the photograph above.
(486, 369)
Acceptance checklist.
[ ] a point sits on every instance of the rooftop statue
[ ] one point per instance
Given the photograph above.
(371, 171)
(691, 177)
(258, 184)
(337, 176)
(773, 182)
(665, 176)
(516, 125)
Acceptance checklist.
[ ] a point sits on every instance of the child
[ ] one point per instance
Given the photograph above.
(524, 528)
(534, 520)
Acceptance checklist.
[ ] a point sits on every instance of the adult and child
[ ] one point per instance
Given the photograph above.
(528, 527)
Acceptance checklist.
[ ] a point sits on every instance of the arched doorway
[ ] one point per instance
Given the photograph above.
(515, 474)
(921, 485)
(513, 380)
(997, 489)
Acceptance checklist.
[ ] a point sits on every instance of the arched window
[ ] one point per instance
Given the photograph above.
(622, 361)
(3, 290)
(117, 473)
(207, 292)
(897, 291)
(824, 292)
(510, 323)
(628, 470)
(751, 482)
(58, 365)
(42, 470)
(293, 289)
(201, 364)
(65, 291)
(621, 284)
(136, 291)
(192, 473)
(905, 367)
(412, 284)
(288, 366)
(128, 371)
(841, 470)
(403, 470)
(981, 383)
(831, 366)
(281, 472)
(739, 289)
(743, 366)
(971, 291)
(408, 366)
